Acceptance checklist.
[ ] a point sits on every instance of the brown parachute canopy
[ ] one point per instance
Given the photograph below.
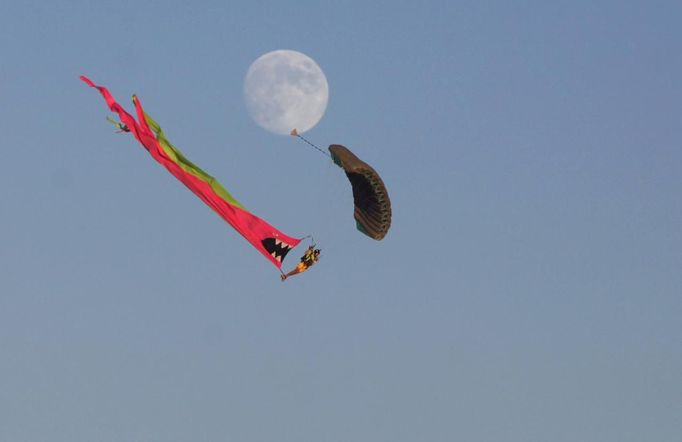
(372, 206)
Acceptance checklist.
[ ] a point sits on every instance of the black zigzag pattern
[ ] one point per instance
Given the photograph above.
(278, 249)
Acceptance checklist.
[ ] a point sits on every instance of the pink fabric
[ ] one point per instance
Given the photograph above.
(254, 229)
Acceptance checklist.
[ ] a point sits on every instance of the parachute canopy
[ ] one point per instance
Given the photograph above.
(372, 206)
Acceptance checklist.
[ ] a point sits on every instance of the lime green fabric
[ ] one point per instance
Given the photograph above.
(177, 157)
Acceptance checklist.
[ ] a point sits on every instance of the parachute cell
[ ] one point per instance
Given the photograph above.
(372, 205)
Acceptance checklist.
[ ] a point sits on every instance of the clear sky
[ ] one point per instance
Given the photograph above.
(530, 288)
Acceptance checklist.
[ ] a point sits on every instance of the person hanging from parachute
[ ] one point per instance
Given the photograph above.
(269, 241)
(309, 259)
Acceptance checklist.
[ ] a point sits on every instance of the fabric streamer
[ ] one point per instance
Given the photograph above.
(272, 243)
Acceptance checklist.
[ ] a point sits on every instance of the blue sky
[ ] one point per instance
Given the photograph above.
(529, 288)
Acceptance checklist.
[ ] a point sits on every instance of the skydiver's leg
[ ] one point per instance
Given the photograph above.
(300, 268)
(293, 272)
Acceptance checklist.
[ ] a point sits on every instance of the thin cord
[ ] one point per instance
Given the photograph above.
(312, 239)
(296, 134)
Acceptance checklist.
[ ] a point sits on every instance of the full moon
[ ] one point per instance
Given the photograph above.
(284, 90)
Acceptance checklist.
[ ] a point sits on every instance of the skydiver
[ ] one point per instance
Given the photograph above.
(307, 260)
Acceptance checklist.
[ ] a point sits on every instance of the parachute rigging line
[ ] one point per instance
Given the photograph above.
(294, 133)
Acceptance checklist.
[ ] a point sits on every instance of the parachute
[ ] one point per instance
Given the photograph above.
(269, 241)
(372, 205)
